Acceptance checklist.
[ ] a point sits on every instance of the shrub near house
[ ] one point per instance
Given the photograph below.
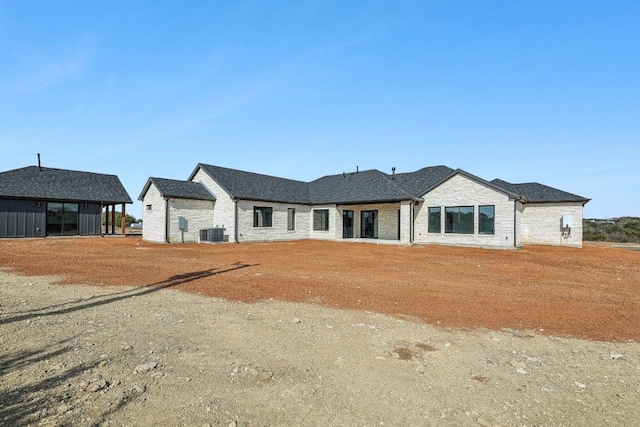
(620, 230)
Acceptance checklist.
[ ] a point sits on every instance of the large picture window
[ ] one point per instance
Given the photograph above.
(62, 219)
(291, 219)
(434, 220)
(262, 216)
(321, 219)
(486, 222)
(459, 219)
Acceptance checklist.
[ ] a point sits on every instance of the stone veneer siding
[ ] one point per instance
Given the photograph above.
(154, 220)
(335, 224)
(198, 214)
(278, 230)
(462, 191)
(519, 210)
(225, 207)
(541, 223)
(387, 220)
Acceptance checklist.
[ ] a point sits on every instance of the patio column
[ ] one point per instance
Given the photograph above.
(122, 221)
(113, 219)
(106, 220)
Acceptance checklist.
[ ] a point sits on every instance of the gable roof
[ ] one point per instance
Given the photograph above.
(171, 188)
(32, 182)
(255, 186)
(426, 179)
(539, 193)
(368, 186)
(357, 187)
(421, 181)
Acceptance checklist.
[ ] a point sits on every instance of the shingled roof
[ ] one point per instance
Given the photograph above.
(368, 186)
(419, 182)
(43, 183)
(178, 189)
(534, 192)
(255, 186)
(357, 187)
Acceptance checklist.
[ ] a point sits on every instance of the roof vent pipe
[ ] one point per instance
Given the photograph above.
(393, 173)
(343, 175)
(357, 169)
(39, 165)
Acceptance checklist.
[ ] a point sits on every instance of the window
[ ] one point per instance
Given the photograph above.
(321, 219)
(148, 207)
(486, 219)
(262, 216)
(459, 219)
(434, 220)
(62, 219)
(291, 219)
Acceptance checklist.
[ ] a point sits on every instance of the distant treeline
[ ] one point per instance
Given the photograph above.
(621, 230)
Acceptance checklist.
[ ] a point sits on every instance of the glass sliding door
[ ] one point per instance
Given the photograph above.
(54, 219)
(62, 219)
(347, 224)
(369, 224)
(70, 219)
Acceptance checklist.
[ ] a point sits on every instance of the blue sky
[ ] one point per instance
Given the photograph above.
(542, 91)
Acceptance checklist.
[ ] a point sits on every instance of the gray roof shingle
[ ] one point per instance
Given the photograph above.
(254, 186)
(419, 182)
(178, 189)
(356, 187)
(536, 193)
(32, 182)
(364, 187)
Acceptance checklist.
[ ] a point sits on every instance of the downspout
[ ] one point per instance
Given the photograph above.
(515, 228)
(166, 221)
(235, 219)
(411, 223)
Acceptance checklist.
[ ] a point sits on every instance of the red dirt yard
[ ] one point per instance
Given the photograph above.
(591, 292)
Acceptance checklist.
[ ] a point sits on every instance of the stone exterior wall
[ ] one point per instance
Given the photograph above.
(405, 221)
(197, 213)
(515, 223)
(463, 191)
(387, 220)
(335, 224)
(278, 230)
(519, 210)
(541, 224)
(225, 207)
(154, 220)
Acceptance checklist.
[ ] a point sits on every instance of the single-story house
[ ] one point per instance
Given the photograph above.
(37, 201)
(435, 204)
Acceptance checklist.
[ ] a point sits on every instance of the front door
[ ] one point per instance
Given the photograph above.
(347, 224)
(369, 224)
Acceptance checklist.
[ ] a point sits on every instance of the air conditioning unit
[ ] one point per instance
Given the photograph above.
(213, 235)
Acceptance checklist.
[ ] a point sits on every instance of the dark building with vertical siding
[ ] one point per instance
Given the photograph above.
(37, 202)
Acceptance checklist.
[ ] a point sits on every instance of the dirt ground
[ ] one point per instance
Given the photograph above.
(316, 333)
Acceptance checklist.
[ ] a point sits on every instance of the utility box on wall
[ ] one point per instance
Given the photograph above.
(566, 221)
(182, 223)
